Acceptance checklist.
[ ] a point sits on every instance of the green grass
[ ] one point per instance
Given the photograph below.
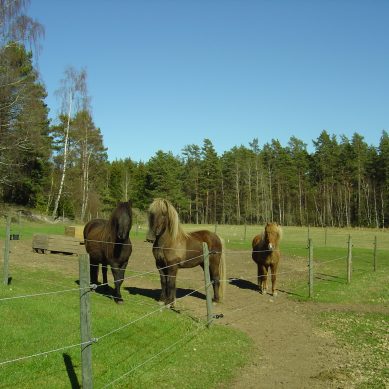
(356, 313)
(367, 334)
(27, 229)
(38, 324)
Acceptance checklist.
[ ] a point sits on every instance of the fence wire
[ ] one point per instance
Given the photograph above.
(112, 332)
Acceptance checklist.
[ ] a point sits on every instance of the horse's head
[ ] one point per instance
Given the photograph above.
(162, 218)
(122, 220)
(157, 220)
(272, 236)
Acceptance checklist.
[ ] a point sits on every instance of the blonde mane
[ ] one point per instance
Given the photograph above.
(274, 227)
(165, 207)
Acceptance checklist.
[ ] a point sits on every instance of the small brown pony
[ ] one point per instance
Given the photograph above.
(266, 254)
(173, 249)
(108, 242)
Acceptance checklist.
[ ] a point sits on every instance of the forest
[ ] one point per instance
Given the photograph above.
(61, 168)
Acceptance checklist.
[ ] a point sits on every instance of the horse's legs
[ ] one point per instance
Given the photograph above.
(118, 276)
(215, 278)
(94, 272)
(262, 278)
(273, 268)
(163, 277)
(104, 270)
(171, 285)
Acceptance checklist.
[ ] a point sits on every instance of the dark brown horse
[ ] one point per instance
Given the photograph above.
(266, 254)
(108, 243)
(173, 249)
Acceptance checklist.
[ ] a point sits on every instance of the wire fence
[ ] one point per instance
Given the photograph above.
(140, 274)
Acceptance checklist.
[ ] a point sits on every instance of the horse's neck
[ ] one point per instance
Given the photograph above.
(263, 242)
(166, 240)
(108, 232)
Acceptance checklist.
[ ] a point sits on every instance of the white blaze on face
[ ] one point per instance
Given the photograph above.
(270, 246)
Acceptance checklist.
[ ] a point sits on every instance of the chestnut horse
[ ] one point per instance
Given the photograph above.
(108, 242)
(266, 254)
(173, 249)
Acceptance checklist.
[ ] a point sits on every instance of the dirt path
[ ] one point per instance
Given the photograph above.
(288, 351)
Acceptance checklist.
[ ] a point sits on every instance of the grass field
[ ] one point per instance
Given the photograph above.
(153, 347)
(356, 313)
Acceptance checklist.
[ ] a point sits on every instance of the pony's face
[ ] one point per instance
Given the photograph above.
(123, 222)
(271, 235)
(157, 226)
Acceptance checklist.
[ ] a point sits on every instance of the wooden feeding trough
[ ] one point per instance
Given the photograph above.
(43, 243)
(75, 231)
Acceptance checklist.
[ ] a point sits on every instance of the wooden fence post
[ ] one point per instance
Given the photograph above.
(325, 236)
(349, 259)
(85, 322)
(208, 284)
(310, 267)
(375, 254)
(6, 251)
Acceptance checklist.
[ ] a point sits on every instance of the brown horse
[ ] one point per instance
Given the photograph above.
(108, 242)
(266, 254)
(173, 249)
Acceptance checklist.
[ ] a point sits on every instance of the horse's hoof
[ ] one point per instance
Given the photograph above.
(119, 301)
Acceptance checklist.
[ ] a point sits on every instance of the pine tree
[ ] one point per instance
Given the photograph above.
(24, 142)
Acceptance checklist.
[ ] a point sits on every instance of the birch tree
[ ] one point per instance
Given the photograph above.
(73, 95)
(88, 151)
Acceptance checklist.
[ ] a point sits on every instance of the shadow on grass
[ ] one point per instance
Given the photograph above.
(155, 293)
(103, 290)
(289, 293)
(244, 284)
(330, 277)
(71, 372)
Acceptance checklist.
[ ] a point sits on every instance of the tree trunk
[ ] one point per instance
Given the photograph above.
(256, 192)
(237, 193)
(300, 201)
(223, 204)
(65, 159)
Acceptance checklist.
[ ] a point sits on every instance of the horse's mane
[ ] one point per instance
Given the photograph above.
(274, 227)
(270, 227)
(110, 225)
(174, 227)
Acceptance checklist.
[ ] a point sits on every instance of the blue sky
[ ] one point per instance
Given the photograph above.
(163, 74)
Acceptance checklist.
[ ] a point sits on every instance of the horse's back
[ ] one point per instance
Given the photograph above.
(93, 233)
(93, 227)
(210, 238)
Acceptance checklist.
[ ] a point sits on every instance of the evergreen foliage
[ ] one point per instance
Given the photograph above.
(343, 182)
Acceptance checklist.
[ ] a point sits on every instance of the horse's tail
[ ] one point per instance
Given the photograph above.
(222, 272)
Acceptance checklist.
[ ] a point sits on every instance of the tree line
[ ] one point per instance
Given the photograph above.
(62, 168)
